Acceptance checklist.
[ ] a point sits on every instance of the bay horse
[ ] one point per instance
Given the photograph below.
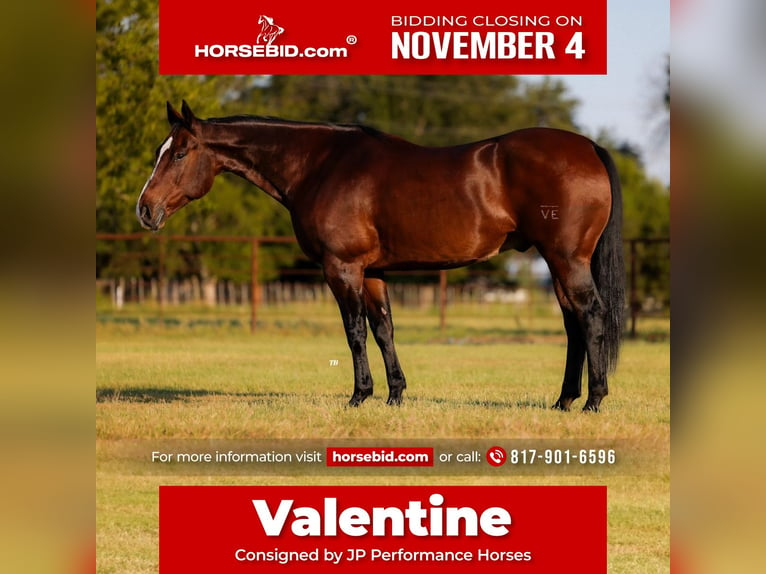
(363, 202)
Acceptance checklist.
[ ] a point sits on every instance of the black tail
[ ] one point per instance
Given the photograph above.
(608, 266)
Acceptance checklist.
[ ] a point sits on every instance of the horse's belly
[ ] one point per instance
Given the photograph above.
(438, 248)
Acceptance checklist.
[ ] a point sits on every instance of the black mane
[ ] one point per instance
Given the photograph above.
(248, 119)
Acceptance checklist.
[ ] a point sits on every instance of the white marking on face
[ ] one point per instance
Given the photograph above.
(165, 147)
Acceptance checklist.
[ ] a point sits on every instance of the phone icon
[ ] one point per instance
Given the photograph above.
(496, 456)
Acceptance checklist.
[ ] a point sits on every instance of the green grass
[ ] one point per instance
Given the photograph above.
(491, 374)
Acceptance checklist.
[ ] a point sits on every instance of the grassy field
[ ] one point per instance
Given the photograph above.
(490, 374)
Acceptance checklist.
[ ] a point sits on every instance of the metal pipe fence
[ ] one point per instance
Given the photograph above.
(150, 281)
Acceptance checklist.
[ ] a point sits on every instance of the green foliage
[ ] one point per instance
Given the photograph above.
(131, 122)
(646, 202)
(430, 110)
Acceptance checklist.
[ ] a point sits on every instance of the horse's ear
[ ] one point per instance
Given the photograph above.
(187, 114)
(185, 118)
(174, 117)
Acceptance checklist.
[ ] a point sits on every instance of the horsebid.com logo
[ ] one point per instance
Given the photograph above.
(269, 30)
(265, 46)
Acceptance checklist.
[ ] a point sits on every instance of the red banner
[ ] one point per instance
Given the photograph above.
(396, 37)
(226, 529)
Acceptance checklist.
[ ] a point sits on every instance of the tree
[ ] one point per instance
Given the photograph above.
(130, 123)
(430, 110)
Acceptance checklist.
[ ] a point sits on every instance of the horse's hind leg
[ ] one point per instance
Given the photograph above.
(379, 315)
(574, 276)
(571, 388)
(346, 283)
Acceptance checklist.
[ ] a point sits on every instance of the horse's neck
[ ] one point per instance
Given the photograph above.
(271, 156)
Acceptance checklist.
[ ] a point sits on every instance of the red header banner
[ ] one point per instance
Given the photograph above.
(341, 529)
(395, 37)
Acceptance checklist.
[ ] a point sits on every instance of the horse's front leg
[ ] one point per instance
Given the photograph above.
(346, 282)
(381, 323)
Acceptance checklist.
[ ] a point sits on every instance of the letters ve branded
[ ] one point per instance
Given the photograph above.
(490, 38)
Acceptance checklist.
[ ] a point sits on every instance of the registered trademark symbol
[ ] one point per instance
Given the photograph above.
(351, 39)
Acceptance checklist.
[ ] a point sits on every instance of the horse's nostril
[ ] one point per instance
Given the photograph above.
(146, 214)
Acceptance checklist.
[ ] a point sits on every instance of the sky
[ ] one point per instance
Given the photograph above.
(626, 100)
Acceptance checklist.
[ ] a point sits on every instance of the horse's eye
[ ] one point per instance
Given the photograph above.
(179, 155)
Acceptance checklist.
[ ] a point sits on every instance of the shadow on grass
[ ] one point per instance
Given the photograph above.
(162, 395)
(521, 404)
(166, 395)
(477, 336)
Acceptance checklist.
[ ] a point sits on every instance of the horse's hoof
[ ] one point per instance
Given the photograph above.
(358, 398)
(562, 405)
(590, 408)
(394, 401)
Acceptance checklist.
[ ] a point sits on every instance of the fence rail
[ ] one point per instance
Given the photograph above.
(165, 291)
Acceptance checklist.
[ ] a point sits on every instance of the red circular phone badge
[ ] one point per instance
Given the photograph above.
(496, 456)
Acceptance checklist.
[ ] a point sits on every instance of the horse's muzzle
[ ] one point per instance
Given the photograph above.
(148, 219)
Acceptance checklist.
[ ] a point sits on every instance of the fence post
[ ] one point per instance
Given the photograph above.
(633, 294)
(253, 283)
(161, 274)
(442, 299)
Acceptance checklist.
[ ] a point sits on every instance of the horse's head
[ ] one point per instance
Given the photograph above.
(184, 170)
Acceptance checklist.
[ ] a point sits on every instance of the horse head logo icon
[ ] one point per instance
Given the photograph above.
(269, 30)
